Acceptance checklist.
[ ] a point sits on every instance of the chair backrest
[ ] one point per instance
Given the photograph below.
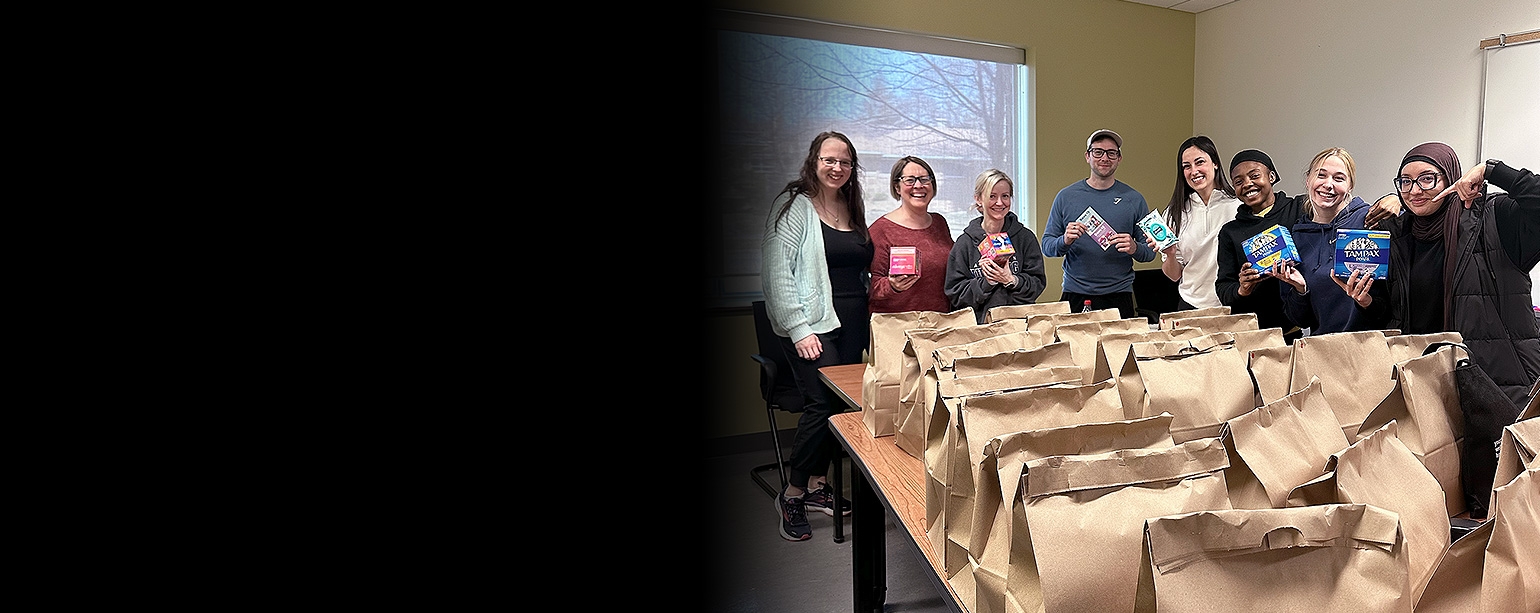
(1154, 293)
(776, 384)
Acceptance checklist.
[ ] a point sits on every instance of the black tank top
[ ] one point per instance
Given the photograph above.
(849, 260)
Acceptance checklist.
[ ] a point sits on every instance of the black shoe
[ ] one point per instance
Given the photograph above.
(793, 518)
(822, 500)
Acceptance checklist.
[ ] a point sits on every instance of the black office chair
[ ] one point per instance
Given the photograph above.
(779, 391)
(1154, 293)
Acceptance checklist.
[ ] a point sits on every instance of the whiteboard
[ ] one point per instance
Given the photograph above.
(1510, 116)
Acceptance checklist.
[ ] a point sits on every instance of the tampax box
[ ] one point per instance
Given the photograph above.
(1270, 247)
(996, 246)
(1155, 227)
(903, 261)
(1367, 250)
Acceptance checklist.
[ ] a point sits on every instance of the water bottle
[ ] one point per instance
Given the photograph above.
(1086, 308)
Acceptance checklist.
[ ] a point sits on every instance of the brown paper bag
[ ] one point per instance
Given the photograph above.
(1210, 324)
(1354, 369)
(881, 381)
(1022, 311)
(1455, 586)
(1050, 322)
(1426, 406)
(945, 436)
(1085, 516)
(1283, 444)
(920, 346)
(1404, 347)
(1510, 577)
(1113, 347)
(918, 380)
(999, 487)
(1203, 382)
(1052, 354)
(1516, 452)
(1272, 369)
(1250, 340)
(1082, 339)
(981, 418)
(1025, 340)
(1166, 319)
(1318, 559)
(1379, 470)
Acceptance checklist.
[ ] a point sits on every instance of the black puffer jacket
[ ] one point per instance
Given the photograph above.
(1491, 307)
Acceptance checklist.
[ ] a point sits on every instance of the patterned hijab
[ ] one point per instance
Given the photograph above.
(1442, 225)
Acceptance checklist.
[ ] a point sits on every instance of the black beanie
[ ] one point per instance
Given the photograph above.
(1252, 155)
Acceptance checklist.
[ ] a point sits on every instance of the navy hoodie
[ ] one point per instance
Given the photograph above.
(1326, 308)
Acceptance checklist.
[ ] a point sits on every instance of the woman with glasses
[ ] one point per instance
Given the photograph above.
(815, 254)
(1313, 296)
(1201, 203)
(981, 282)
(913, 185)
(1460, 262)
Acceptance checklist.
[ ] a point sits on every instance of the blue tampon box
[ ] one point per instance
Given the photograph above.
(1367, 250)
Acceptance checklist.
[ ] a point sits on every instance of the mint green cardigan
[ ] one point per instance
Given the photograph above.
(794, 272)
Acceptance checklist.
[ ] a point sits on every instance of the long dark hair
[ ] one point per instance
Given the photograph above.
(1178, 203)
(807, 183)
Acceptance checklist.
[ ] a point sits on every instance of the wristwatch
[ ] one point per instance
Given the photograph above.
(1491, 164)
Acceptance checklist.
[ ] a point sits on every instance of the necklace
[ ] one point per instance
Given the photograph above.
(822, 211)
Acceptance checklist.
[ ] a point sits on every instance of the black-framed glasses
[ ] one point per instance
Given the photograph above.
(1109, 153)
(832, 162)
(910, 181)
(1426, 181)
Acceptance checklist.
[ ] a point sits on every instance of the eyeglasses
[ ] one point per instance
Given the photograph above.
(910, 181)
(1109, 153)
(832, 162)
(1425, 180)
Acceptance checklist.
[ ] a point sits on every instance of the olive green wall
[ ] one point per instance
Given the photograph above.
(1094, 64)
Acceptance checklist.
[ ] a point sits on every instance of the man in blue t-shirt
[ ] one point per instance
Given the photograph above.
(1102, 274)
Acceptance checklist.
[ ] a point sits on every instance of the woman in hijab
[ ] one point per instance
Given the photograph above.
(1474, 251)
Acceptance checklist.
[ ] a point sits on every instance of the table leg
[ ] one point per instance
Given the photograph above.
(838, 476)
(869, 552)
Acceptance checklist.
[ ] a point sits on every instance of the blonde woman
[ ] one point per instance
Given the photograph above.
(1312, 296)
(982, 283)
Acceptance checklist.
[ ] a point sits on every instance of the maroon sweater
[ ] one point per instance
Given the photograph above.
(933, 245)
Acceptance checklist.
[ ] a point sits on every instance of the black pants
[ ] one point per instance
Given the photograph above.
(1122, 301)
(814, 447)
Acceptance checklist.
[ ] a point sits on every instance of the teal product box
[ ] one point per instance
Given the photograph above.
(1270, 247)
(1367, 250)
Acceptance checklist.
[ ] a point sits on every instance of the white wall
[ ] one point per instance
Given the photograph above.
(1375, 77)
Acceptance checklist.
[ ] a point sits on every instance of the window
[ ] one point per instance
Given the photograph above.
(958, 105)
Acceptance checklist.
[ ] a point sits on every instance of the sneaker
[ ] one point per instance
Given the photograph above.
(793, 518)
(822, 500)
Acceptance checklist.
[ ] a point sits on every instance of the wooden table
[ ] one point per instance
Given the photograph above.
(886, 475)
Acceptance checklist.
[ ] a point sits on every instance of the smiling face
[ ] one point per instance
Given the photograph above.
(1330, 182)
(1253, 184)
(997, 202)
(1197, 169)
(919, 194)
(1106, 165)
(832, 178)
(1420, 200)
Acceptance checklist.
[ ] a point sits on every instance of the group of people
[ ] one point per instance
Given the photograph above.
(1459, 261)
